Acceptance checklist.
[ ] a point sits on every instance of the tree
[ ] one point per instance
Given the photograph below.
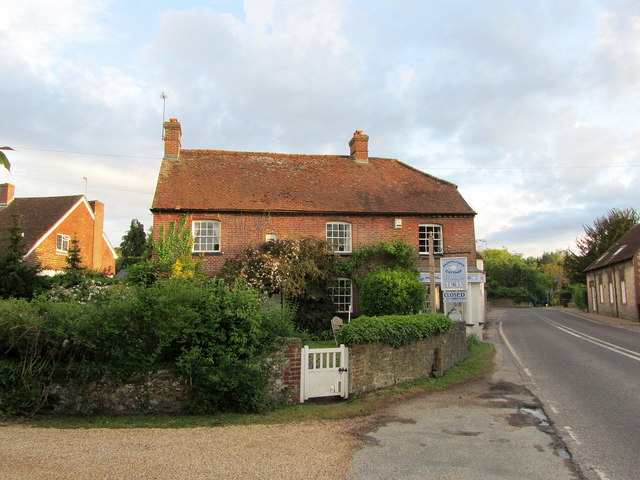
(74, 259)
(509, 275)
(605, 231)
(17, 277)
(134, 242)
(4, 161)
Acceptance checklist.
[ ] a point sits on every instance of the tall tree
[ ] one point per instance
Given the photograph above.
(605, 231)
(17, 277)
(134, 241)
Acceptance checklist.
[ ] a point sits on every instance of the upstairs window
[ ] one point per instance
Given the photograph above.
(341, 293)
(62, 243)
(339, 236)
(423, 239)
(206, 236)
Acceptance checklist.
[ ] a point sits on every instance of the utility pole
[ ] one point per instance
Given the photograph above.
(432, 276)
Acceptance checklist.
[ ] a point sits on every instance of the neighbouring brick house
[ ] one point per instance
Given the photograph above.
(613, 279)
(49, 223)
(236, 199)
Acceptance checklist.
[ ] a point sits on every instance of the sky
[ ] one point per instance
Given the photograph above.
(530, 107)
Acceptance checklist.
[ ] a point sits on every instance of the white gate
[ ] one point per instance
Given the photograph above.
(324, 372)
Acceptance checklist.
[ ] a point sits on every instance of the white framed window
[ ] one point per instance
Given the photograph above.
(423, 238)
(270, 237)
(206, 236)
(62, 243)
(341, 294)
(623, 292)
(339, 236)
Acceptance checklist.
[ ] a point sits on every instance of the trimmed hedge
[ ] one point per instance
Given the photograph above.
(391, 292)
(394, 330)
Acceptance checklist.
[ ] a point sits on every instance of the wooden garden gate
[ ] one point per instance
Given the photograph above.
(324, 372)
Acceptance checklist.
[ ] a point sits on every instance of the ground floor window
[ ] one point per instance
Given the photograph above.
(623, 292)
(342, 294)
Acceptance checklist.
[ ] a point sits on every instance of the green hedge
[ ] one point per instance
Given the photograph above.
(394, 330)
(392, 292)
(214, 337)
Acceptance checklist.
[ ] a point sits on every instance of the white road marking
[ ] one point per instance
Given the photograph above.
(596, 341)
(601, 474)
(573, 436)
(515, 355)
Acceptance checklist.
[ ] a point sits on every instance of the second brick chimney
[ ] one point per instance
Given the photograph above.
(172, 136)
(359, 147)
(6, 194)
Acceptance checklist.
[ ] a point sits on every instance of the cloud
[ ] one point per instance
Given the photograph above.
(526, 106)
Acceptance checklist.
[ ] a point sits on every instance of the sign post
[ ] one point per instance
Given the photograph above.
(453, 271)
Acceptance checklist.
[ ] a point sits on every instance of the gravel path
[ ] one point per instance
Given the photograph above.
(319, 450)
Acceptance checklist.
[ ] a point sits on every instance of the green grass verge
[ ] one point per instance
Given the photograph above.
(478, 362)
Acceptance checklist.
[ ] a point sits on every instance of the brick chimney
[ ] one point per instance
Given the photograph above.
(6, 194)
(359, 146)
(172, 136)
(98, 225)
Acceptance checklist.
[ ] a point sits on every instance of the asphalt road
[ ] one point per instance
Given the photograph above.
(587, 375)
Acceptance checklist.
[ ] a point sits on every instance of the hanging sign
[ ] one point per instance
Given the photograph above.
(453, 271)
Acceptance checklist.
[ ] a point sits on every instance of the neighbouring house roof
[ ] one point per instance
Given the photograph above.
(216, 180)
(37, 216)
(622, 250)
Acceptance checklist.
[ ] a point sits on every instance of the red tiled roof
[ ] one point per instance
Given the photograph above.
(623, 249)
(36, 216)
(215, 180)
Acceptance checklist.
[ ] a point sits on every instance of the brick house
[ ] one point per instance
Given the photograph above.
(237, 199)
(49, 223)
(613, 280)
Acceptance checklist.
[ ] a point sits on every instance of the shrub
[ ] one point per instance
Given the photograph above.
(579, 295)
(391, 292)
(217, 339)
(394, 330)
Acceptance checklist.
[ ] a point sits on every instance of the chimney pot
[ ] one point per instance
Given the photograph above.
(359, 147)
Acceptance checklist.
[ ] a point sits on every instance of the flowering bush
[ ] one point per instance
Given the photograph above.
(301, 270)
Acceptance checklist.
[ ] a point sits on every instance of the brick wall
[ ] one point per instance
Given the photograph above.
(239, 230)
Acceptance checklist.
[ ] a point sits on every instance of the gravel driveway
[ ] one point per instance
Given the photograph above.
(320, 450)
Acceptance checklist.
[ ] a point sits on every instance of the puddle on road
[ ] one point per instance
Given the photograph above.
(539, 414)
(543, 425)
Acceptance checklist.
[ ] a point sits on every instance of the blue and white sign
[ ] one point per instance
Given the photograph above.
(455, 296)
(454, 273)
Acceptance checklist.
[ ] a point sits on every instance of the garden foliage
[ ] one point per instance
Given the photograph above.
(394, 330)
(215, 338)
(300, 270)
(391, 292)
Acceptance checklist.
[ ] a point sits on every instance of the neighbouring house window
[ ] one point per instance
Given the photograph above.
(610, 292)
(601, 288)
(270, 237)
(62, 243)
(206, 236)
(339, 236)
(423, 238)
(623, 292)
(341, 294)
